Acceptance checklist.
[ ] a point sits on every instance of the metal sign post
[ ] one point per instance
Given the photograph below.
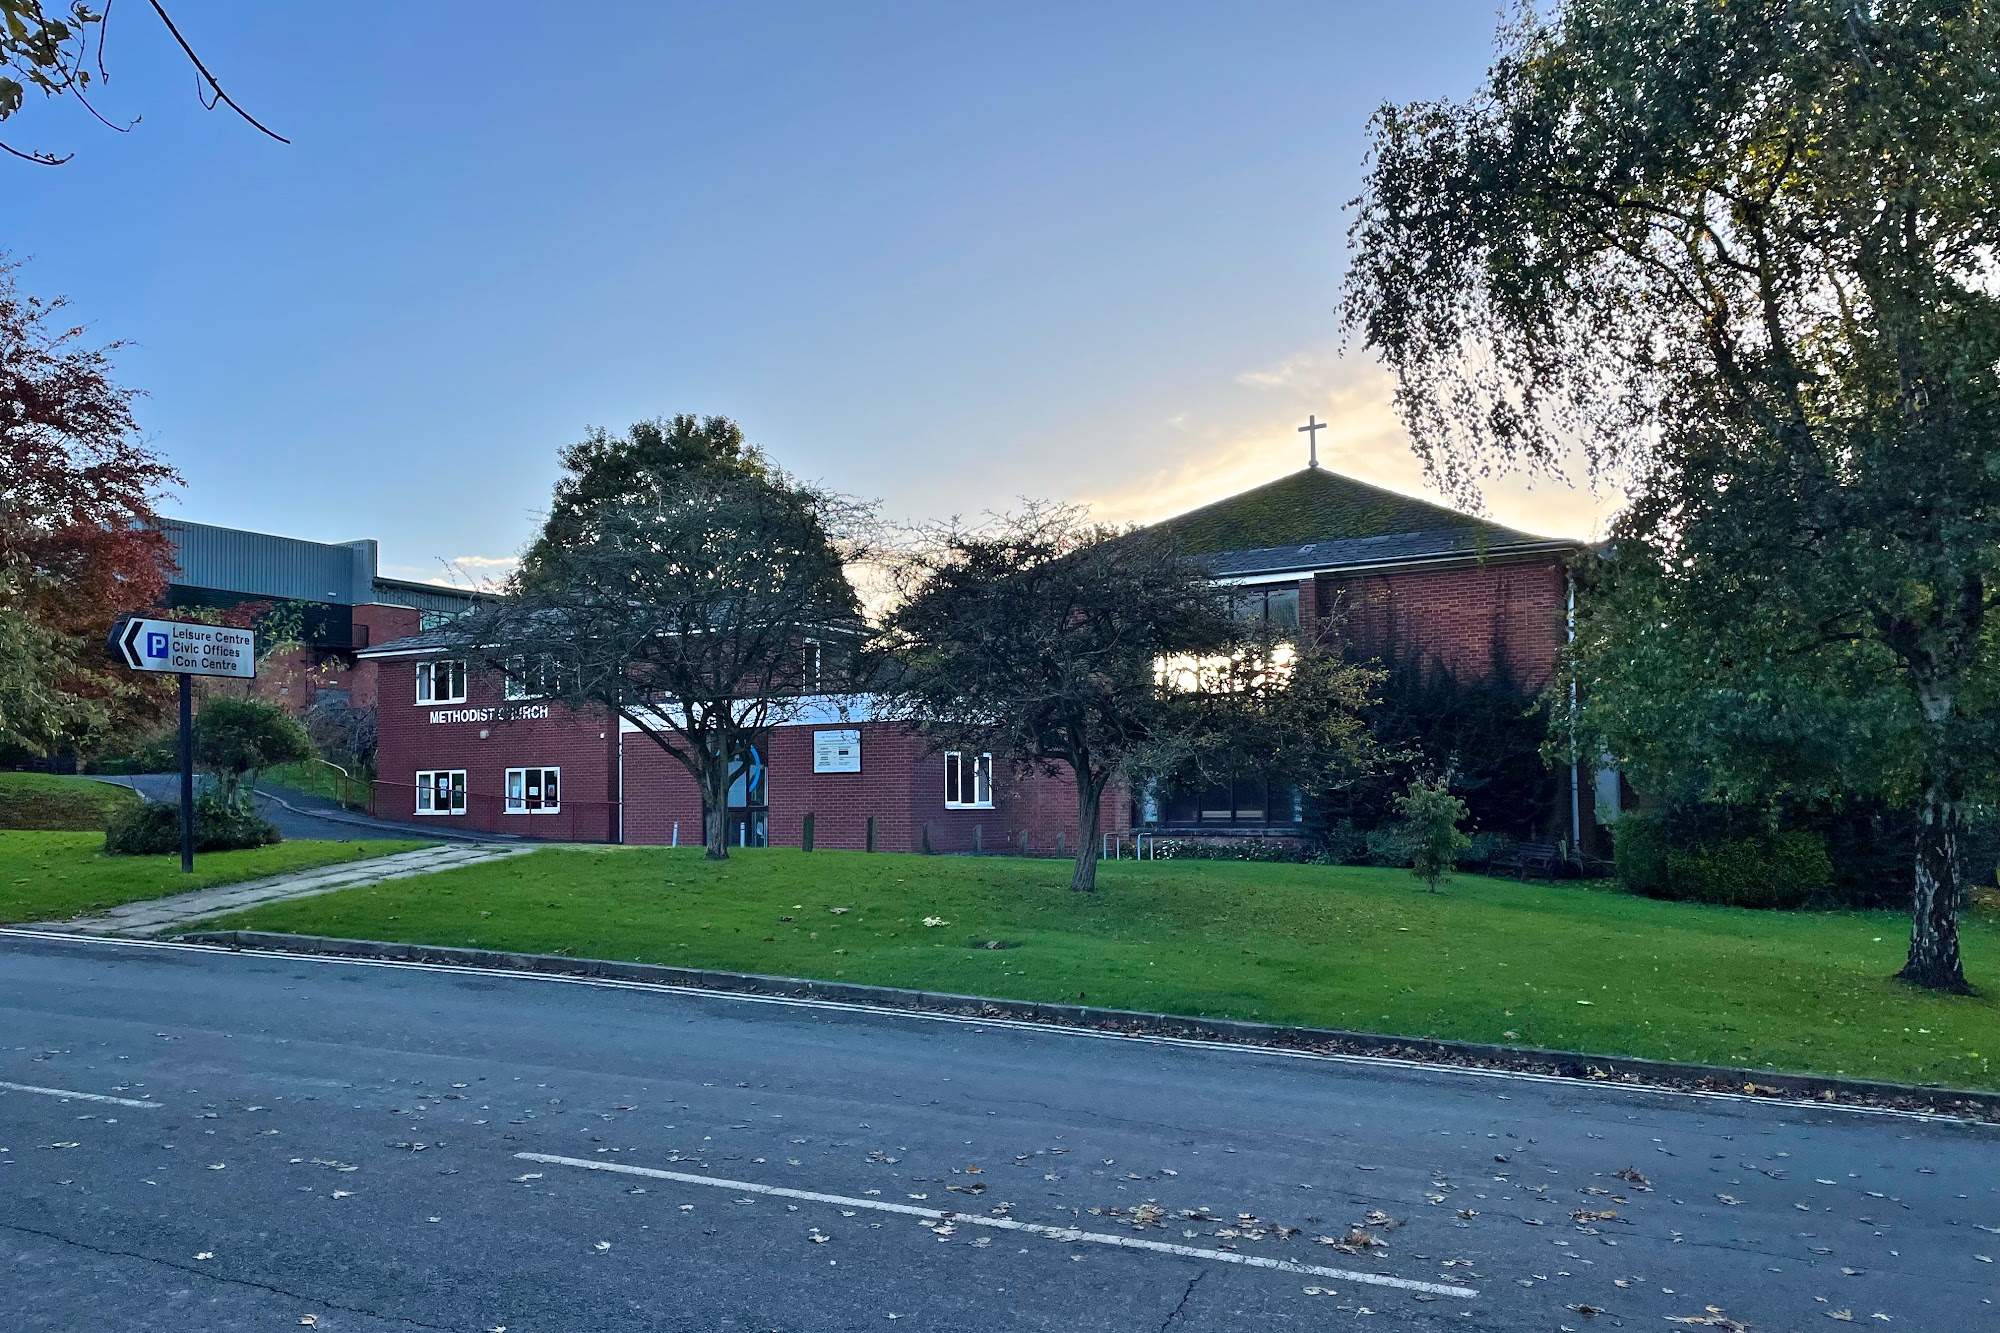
(187, 649)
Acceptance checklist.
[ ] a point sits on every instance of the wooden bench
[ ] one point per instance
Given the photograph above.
(1527, 858)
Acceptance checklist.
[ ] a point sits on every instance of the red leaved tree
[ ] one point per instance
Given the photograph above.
(79, 540)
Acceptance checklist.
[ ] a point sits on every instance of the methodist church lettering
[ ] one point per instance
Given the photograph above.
(503, 713)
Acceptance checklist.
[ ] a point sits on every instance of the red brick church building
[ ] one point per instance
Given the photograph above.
(1314, 550)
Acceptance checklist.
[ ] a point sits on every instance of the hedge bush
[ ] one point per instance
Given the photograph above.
(1783, 871)
(154, 829)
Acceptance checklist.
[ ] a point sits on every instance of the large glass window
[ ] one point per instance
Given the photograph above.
(968, 780)
(441, 791)
(534, 791)
(1244, 801)
(441, 682)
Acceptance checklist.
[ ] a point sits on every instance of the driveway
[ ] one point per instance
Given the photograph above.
(298, 815)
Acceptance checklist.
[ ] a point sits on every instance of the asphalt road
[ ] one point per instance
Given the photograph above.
(336, 1145)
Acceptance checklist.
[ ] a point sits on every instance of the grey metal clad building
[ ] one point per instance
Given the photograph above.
(224, 567)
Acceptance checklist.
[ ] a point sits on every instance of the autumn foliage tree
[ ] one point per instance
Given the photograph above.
(79, 540)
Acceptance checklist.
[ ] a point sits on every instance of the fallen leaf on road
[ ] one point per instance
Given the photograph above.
(601, 1246)
(1714, 1318)
(309, 1320)
(1844, 1316)
(206, 1254)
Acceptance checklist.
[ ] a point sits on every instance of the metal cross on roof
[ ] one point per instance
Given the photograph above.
(1311, 431)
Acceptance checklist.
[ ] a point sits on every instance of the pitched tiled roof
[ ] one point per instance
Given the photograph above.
(1392, 549)
(1315, 505)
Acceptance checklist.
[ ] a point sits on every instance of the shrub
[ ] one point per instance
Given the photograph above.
(1485, 848)
(1789, 871)
(1782, 871)
(1431, 818)
(235, 739)
(1283, 850)
(1639, 854)
(154, 828)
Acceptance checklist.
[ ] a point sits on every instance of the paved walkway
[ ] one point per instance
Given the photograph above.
(163, 916)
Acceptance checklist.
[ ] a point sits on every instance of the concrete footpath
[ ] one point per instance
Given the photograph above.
(162, 916)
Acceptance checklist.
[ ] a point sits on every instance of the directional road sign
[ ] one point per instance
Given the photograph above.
(185, 647)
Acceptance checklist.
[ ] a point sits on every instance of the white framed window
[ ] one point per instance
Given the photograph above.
(534, 791)
(441, 682)
(441, 791)
(531, 677)
(968, 780)
(809, 666)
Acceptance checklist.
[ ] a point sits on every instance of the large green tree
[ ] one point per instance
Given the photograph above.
(686, 584)
(1743, 253)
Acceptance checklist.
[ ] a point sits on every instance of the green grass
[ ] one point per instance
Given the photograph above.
(51, 876)
(44, 801)
(316, 779)
(1486, 960)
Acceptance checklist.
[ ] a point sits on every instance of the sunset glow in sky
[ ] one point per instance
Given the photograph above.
(943, 256)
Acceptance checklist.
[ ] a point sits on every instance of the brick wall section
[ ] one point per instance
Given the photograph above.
(901, 784)
(583, 747)
(1464, 618)
(380, 622)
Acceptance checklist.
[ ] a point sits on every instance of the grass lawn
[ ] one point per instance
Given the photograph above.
(1486, 960)
(51, 876)
(44, 801)
(316, 779)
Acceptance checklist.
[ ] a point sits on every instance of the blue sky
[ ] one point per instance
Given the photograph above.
(942, 255)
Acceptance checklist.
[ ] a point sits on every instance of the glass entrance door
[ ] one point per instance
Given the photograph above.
(750, 798)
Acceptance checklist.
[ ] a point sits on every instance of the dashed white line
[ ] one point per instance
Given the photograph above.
(1071, 1234)
(69, 1096)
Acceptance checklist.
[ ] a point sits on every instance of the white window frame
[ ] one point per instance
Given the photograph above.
(427, 784)
(812, 665)
(955, 780)
(517, 778)
(427, 680)
(530, 678)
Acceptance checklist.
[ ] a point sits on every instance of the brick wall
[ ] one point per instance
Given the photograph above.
(901, 784)
(379, 622)
(584, 747)
(1465, 618)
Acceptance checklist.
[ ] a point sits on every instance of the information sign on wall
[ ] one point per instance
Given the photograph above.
(837, 751)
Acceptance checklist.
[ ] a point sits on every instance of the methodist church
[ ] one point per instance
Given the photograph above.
(1311, 551)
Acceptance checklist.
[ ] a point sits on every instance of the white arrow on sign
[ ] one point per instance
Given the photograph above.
(184, 647)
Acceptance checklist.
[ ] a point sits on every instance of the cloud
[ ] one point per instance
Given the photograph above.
(460, 571)
(1250, 435)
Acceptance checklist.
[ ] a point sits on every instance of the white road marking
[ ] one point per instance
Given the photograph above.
(1024, 1025)
(1010, 1224)
(69, 1096)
